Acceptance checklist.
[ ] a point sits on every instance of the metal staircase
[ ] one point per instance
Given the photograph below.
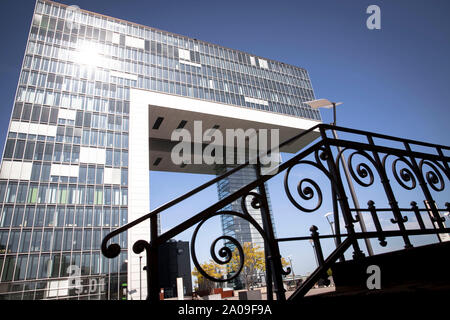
(389, 157)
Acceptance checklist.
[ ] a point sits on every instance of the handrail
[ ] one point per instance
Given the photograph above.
(383, 136)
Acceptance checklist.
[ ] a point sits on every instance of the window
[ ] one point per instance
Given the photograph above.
(98, 197)
(60, 216)
(48, 152)
(17, 219)
(91, 175)
(39, 216)
(98, 217)
(35, 171)
(57, 240)
(29, 150)
(20, 147)
(36, 241)
(32, 266)
(77, 240)
(79, 217)
(124, 177)
(42, 196)
(88, 217)
(8, 269)
(9, 149)
(11, 192)
(44, 266)
(50, 217)
(82, 174)
(22, 192)
(13, 244)
(29, 217)
(21, 268)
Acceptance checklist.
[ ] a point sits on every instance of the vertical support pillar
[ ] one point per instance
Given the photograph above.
(152, 262)
(274, 257)
(340, 194)
(399, 219)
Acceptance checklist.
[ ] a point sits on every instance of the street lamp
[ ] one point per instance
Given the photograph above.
(325, 103)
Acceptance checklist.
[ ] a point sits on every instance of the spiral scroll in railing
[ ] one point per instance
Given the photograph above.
(363, 170)
(225, 253)
(307, 188)
(434, 177)
(404, 175)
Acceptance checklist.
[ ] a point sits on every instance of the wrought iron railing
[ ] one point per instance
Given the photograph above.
(410, 167)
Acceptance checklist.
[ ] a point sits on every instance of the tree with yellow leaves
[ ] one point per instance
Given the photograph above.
(212, 269)
(254, 263)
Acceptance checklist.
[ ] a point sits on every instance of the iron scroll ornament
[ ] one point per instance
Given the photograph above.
(434, 177)
(225, 252)
(306, 192)
(406, 174)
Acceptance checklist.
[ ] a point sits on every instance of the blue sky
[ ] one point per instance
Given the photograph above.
(393, 81)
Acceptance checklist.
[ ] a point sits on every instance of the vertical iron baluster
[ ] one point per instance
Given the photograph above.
(318, 251)
(418, 215)
(399, 219)
(340, 194)
(317, 245)
(337, 224)
(445, 163)
(274, 251)
(376, 221)
(152, 262)
(435, 216)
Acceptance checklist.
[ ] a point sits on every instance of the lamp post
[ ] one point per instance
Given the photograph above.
(325, 103)
(331, 226)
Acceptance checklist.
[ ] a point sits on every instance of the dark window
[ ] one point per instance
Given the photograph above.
(17, 111)
(20, 148)
(29, 150)
(26, 112)
(53, 116)
(36, 113)
(157, 123)
(9, 149)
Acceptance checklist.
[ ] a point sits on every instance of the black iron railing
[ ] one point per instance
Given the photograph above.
(410, 167)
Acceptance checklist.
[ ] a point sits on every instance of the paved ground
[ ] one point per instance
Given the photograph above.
(313, 291)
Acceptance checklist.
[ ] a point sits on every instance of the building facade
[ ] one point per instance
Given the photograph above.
(174, 262)
(95, 104)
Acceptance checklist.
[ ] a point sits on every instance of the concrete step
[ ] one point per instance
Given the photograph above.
(414, 269)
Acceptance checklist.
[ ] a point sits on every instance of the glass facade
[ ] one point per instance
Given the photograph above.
(64, 172)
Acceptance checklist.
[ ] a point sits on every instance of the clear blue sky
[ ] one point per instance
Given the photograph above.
(393, 81)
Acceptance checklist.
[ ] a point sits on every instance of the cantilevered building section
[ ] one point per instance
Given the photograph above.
(96, 103)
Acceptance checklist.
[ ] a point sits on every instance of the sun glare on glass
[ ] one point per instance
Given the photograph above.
(87, 54)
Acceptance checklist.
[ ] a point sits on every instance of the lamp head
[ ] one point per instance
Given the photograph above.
(322, 103)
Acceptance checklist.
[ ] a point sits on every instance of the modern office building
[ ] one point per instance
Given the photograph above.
(175, 262)
(95, 106)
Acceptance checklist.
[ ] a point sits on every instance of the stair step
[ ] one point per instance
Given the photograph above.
(418, 268)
